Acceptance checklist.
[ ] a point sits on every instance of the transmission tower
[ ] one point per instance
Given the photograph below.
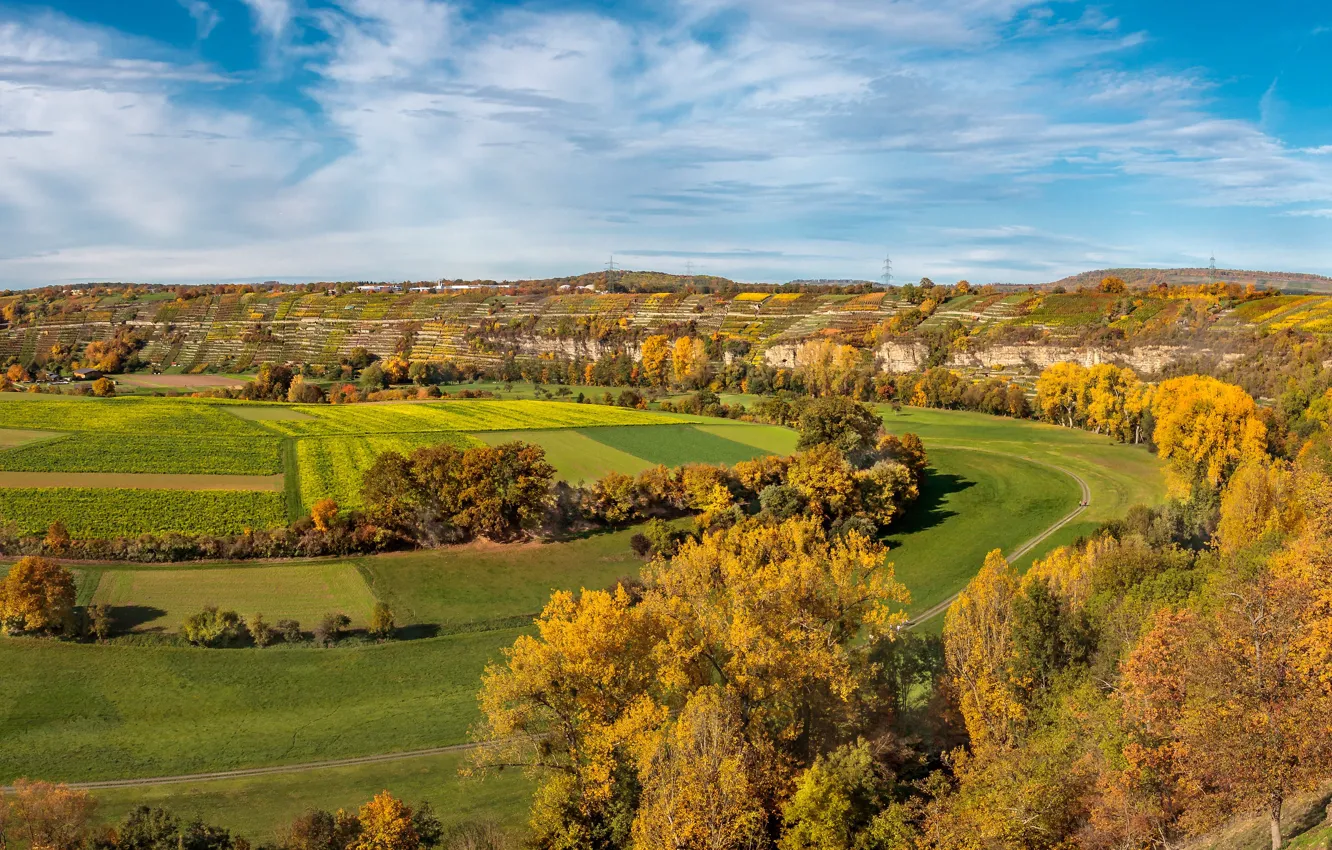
(887, 276)
(1211, 270)
(610, 272)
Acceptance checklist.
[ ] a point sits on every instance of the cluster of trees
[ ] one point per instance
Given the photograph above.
(213, 628)
(1105, 398)
(941, 387)
(1132, 691)
(706, 707)
(849, 473)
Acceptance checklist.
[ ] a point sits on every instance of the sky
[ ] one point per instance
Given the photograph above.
(192, 141)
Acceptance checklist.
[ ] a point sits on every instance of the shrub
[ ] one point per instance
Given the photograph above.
(100, 621)
(260, 631)
(330, 629)
(211, 627)
(641, 545)
(781, 501)
(290, 630)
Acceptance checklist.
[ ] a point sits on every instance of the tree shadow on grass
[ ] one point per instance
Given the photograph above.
(129, 618)
(928, 510)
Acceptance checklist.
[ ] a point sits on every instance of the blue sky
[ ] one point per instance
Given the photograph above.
(996, 140)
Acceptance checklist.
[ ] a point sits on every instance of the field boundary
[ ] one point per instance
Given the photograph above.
(1085, 502)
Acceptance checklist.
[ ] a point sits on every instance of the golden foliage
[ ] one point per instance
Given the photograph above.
(37, 595)
(1205, 427)
(386, 824)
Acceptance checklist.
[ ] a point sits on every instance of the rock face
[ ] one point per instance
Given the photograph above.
(782, 356)
(911, 356)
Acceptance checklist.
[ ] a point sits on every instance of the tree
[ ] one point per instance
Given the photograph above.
(52, 817)
(698, 784)
(373, 379)
(850, 426)
(1205, 428)
(37, 596)
(386, 824)
(382, 624)
(1060, 393)
(57, 538)
(290, 630)
(837, 804)
(316, 829)
(324, 514)
(654, 355)
(330, 628)
(260, 632)
(273, 381)
(978, 644)
(104, 387)
(396, 369)
(825, 481)
(421, 373)
(211, 627)
(689, 362)
(101, 622)
(828, 368)
(1113, 285)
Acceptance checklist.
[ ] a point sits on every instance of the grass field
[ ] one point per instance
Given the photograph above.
(472, 415)
(152, 598)
(480, 584)
(575, 456)
(1119, 476)
(676, 445)
(258, 807)
(141, 481)
(972, 502)
(76, 712)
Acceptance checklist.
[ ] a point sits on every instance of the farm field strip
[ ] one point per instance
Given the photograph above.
(147, 453)
(471, 415)
(141, 481)
(575, 456)
(99, 512)
(673, 445)
(137, 415)
(13, 437)
(155, 598)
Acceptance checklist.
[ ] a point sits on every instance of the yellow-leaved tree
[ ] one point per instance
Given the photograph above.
(655, 354)
(1205, 428)
(709, 691)
(1060, 393)
(978, 647)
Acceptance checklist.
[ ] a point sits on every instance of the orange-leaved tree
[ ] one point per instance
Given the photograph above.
(37, 596)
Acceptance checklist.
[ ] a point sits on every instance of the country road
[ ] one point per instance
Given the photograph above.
(932, 612)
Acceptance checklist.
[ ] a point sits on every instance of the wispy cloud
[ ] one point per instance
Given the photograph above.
(784, 138)
(206, 18)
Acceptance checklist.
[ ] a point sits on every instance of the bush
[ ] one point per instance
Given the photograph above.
(260, 632)
(211, 627)
(641, 545)
(330, 629)
(100, 621)
(290, 631)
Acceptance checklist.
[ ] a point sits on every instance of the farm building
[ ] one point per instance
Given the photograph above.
(87, 374)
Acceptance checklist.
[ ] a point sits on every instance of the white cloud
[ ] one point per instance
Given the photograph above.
(206, 18)
(785, 141)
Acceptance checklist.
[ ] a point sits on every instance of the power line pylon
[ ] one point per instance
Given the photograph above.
(887, 276)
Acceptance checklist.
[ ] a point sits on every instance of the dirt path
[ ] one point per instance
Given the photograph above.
(936, 610)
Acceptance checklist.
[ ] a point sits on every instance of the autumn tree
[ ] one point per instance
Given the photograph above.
(978, 642)
(654, 356)
(324, 514)
(1061, 393)
(49, 816)
(1205, 428)
(699, 788)
(104, 387)
(37, 595)
(382, 624)
(852, 427)
(386, 824)
(827, 367)
(689, 362)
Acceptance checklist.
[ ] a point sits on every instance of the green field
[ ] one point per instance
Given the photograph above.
(81, 712)
(471, 415)
(473, 586)
(1118, 475)
(575, 456)
(156, 599)
(258, 807)
(143, 453)
(972, 502)
(676, 445)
